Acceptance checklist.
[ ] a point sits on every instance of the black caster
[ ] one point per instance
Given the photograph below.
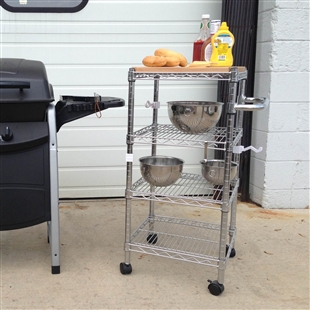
(152, 238)
(215, 288)
(232, 252)
(125, 269)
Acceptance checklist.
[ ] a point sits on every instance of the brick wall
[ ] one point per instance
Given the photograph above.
(280, 174)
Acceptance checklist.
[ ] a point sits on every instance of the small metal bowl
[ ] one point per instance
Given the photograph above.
(213, 170)
(161, 170)
(194, 117)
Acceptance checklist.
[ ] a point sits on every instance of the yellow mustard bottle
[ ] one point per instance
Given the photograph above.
(222, 44)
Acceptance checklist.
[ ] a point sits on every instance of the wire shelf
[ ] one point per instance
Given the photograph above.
(189, 190)
(224, 76)
(169, 135)
(180, 239)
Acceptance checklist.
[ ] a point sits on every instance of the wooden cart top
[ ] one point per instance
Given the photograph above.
(187, 69)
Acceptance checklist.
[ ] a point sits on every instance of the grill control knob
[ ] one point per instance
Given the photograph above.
(8, 135)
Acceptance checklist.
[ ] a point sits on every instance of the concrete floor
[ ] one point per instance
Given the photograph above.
(269, 271)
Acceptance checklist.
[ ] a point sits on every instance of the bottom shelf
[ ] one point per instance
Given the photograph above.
(180, 239)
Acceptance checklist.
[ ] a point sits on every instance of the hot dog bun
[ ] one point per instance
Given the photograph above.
(154, 61)
(169, 53)
(172, 61)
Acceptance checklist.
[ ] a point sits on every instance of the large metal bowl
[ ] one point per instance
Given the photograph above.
(194, 117)
(161, 170)
(213, 170)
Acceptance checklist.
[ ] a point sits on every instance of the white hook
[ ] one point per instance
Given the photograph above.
(154, 105)
(238, 149)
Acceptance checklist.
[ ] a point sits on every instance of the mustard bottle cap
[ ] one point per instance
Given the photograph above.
(224, 26)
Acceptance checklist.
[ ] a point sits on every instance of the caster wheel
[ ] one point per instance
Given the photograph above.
(125, 269)
(215, 288)
(152, 238)
(232, 252)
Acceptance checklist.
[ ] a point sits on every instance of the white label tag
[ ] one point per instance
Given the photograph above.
(129, 158)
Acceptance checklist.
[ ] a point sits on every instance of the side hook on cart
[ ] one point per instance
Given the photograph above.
(154, 105)
(238, 149)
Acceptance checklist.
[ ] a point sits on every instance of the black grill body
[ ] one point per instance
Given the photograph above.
(24, 144)
(29, 122)
(25, 176)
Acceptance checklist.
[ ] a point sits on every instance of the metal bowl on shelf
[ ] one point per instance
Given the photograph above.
(194, 117)
(161, 170)
(213, 170)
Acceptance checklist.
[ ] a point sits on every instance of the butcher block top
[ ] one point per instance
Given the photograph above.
(187, 69)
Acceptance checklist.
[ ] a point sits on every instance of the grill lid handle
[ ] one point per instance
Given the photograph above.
(14, 84)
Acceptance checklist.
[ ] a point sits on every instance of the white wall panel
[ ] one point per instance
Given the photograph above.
(91, 51)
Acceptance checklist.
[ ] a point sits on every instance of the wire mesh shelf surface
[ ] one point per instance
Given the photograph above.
(169, 135)
(189, 189)
(180, 239)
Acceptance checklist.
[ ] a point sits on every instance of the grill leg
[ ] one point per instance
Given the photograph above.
(53, 225)
(53, 237)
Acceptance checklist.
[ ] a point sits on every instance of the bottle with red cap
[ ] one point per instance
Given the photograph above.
(203, 35)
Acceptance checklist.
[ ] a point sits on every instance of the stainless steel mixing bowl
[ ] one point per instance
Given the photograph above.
(161, 170)
(194, 117)
(213, 170)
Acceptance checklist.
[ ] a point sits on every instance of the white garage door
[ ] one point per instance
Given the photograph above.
(91, 51)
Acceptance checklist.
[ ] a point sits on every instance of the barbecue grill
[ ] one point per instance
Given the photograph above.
(29, 122)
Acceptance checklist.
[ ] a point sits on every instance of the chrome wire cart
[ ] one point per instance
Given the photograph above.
(210, 244)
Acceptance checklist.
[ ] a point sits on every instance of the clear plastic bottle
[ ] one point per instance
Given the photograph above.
(206, 49)
(203, 35)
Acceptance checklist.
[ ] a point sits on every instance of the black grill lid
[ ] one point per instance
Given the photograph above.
(24, 81)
